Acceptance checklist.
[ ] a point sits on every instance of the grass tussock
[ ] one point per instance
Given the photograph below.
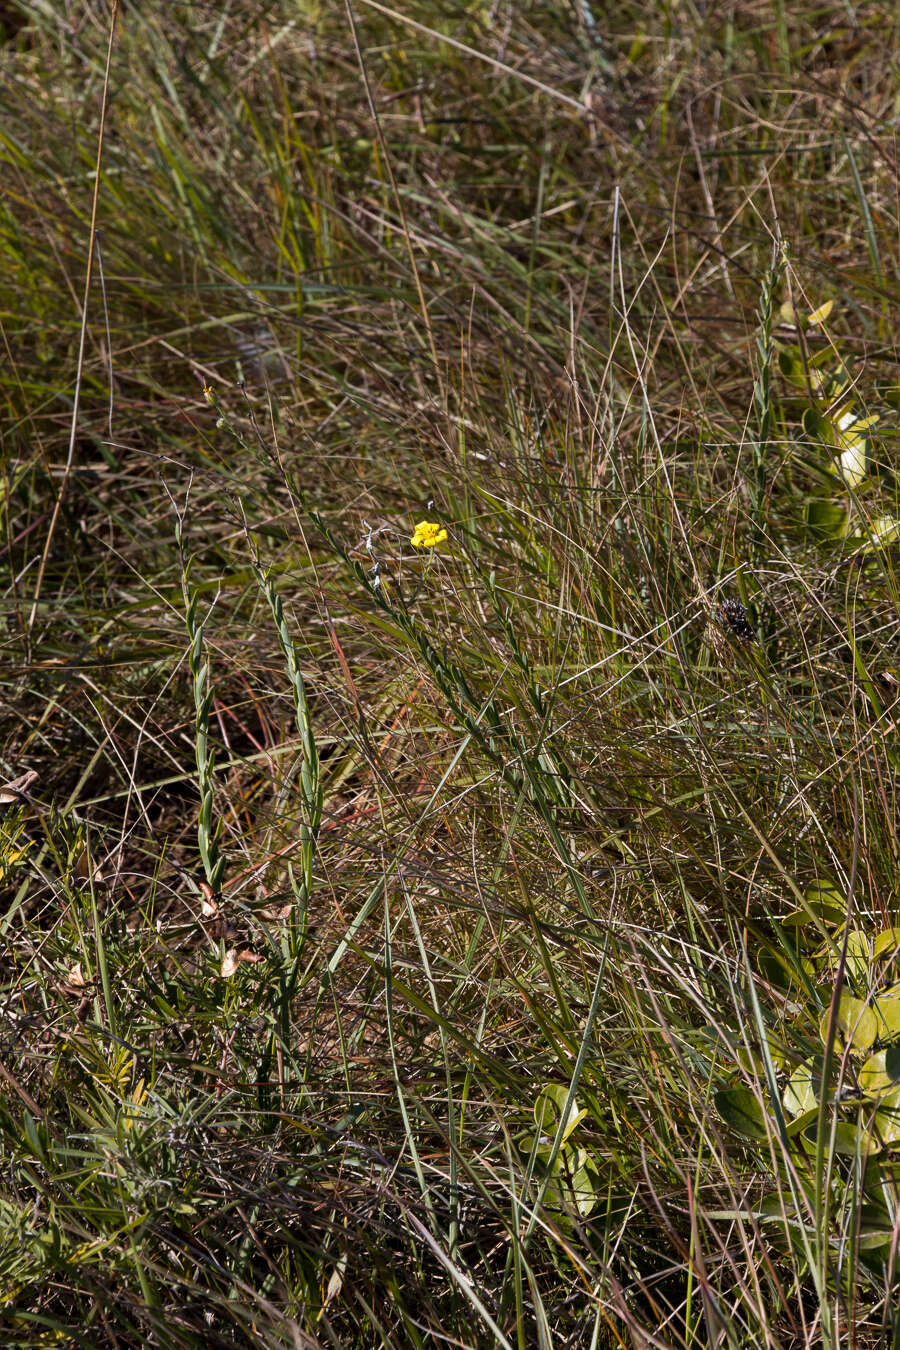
(449, 836)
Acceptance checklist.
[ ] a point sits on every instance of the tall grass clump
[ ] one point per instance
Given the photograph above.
(448, 798)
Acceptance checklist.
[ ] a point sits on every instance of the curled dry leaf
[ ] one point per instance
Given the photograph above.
(81, 869)
(210, 906)
(17, 788)
(75, 977)
(233, 958)
(273, 913)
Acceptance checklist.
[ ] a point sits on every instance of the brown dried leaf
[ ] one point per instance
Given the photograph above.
(273, 913)
(252, 958)
(17, 788)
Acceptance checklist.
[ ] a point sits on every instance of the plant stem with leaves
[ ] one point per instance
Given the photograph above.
(208, 834)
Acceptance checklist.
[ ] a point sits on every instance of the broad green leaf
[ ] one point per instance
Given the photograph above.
(875, 1224)
(548, 1111)
(853, 463)
(887, 1119)
(848, 1139)
(586, 1184)
(779, 1052)
(881, 1072)
(853, 443)
(740, 1109)
(751, 1062)
(791, 365)
(815, 426)
(827, 520)
(887, 941)
(828, 914)
(887, 1016)
(872, 1239)
(827, 894)
(754, 1062)
(801, 1094)
(858, 960)
(882, 531)
(856, 1023)
(778, 970)
(801, 1123)
(788, 314)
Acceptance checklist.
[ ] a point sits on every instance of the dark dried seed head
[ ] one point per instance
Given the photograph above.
(732, 615)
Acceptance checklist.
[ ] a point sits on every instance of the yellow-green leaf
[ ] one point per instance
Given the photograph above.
(818, 316)
(548, 1111)
(800, 1094)
(858, 961)
(887, 941)
(881, 1072)
(856, 1023)
(887, 1017)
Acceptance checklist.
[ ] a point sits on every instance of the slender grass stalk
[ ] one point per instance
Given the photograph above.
(209, 831)
(311, 794)
(763, 408)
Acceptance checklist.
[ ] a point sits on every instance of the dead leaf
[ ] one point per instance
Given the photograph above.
(229, 964)
(75, 977)
(273, 913)
(252, 958)
(17, 788)
(336, 1280)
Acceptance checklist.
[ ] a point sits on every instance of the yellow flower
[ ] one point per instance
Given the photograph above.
(428, 534)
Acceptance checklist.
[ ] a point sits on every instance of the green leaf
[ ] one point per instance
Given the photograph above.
(879, 1073)
(888, 940)
(849, 1140)
(856, 1023)
(822, 901)
(740, 1109)
(827, 914)
(815, 426)
(780, 972)
(754, 1062)
(869, 1239)
(827, 893)
(850, 439)
(887, 1119)
(548, 1111)
(801, 1093)
(586, 1184)
(882, 531)
(790, 365)
(827, 520)
(802, 1123)
(887, 1017)
(858, 960)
